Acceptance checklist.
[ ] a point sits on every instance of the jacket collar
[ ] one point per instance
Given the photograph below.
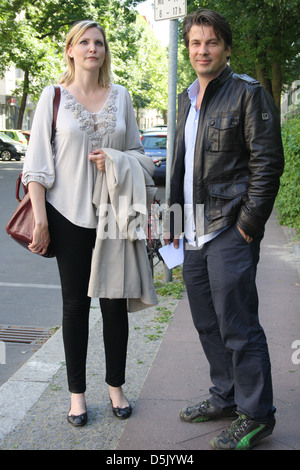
(221, 78)
(218, 81)
(185, 102)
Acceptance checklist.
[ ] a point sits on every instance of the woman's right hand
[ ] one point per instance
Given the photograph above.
(98, 157)
(41, 239)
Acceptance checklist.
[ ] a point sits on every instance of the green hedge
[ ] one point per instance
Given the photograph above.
(288, 199)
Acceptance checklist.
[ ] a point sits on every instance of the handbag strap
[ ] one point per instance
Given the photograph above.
(18, 184)
(56, 101)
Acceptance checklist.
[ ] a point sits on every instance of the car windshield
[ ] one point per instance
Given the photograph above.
(154, 142)
(5, 138)
(20, 136)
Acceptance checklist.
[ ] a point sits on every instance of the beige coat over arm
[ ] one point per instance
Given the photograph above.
(123, 196)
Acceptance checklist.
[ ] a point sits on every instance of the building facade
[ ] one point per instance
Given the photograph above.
(9, 103)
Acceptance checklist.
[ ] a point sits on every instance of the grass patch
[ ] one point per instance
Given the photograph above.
(173, 288)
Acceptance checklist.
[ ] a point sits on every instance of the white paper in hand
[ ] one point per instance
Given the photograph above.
(172, 256)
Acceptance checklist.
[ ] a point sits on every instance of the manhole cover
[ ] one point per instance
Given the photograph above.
(24, 334)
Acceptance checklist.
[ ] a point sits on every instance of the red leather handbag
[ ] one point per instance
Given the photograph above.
(21, 225)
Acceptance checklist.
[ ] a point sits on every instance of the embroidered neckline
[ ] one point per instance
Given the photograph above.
(96, 125)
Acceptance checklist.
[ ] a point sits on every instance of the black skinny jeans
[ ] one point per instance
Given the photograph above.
(73, 247)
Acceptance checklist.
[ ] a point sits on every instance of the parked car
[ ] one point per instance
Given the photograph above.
(27, 135)
(160, 169)
(155, 145)
(16, 135)
(10, 149)
(162, 127)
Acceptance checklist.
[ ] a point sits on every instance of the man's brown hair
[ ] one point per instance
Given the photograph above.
(208, 18)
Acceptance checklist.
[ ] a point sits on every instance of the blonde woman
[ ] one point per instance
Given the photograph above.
(93, 114)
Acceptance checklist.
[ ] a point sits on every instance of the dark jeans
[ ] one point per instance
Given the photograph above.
(220, 281)
(73, 247)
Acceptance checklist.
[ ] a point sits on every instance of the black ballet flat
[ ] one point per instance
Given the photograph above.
(79, 420)
(121, 413)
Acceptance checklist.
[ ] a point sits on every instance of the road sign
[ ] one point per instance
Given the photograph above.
(169, 9)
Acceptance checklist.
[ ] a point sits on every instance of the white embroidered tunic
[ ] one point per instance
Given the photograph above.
(69, 176)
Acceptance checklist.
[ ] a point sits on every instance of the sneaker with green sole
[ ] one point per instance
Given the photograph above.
(243, 434)
(205, 411)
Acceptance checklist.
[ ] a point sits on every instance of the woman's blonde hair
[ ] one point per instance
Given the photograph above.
(73, 37)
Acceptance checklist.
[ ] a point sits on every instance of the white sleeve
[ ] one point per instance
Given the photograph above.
(39, 162)
(133, 139)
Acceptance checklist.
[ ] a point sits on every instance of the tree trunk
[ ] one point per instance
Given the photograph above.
(23, 100)
(276, 84)
(260, 75)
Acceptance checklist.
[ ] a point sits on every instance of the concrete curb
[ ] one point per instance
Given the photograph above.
(19, 394)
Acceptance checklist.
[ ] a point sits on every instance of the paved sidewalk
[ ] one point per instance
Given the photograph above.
(180, 375)
(163, 376)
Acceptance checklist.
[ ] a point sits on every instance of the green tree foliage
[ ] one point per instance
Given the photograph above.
(32, 36)
(288, 199)
(265, 39)
(140, 63)
(186, 74)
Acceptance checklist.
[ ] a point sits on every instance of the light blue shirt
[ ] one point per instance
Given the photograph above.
(191, 127)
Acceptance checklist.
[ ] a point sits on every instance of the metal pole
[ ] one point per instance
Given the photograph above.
(172, 97)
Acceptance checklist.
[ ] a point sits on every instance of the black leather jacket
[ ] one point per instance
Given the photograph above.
(238, 156)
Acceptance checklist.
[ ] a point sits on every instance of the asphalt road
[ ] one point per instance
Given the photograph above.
(30, 293)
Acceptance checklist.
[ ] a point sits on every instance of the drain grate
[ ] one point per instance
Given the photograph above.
(24, 334)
